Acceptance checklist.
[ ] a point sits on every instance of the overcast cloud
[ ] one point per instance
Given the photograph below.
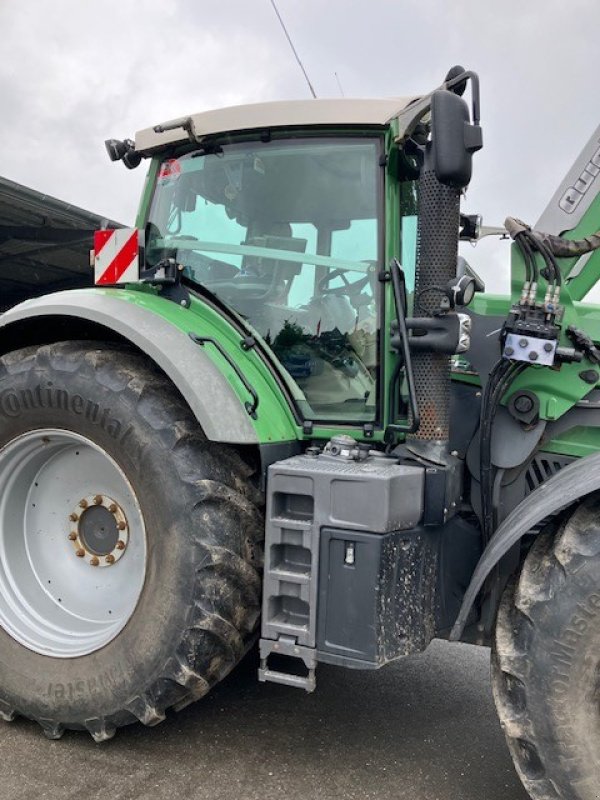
(74, 73)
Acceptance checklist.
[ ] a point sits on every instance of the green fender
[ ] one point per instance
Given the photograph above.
(208, 377)
(571, 484)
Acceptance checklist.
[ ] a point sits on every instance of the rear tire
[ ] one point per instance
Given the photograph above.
(546, 662)
(197, 605)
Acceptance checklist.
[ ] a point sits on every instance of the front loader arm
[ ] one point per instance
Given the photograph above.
(574, 213)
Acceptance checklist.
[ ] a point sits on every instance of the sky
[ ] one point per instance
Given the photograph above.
(76, 72)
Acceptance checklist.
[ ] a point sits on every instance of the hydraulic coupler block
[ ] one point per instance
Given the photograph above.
(530, 335)
(530, 349)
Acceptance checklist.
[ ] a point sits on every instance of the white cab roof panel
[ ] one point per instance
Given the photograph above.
(279, 114)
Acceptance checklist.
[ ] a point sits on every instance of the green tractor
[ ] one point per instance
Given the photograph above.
(287, 412)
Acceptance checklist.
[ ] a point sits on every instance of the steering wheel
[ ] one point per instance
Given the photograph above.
(349, 289)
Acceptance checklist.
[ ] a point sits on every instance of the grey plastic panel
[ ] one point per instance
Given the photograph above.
(380, 606)
(530, 349)
(349, 608)
(307, 493)
(208, 393)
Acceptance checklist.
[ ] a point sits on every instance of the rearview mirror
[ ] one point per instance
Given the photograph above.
(123, 151)
(453, 139)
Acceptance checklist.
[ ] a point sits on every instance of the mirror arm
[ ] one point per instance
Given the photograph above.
(411, 116)
(417, 110)
(475, 102)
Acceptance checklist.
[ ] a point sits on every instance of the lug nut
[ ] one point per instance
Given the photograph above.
(113, 508)
(73, 517)
(83, 503)
(121, 525)
(110, 559)
(72, 536)
(94, 561)
(548, 347)
(120, 545)
(80, 553)
(523, 342)
(533, 356)
(98, 500)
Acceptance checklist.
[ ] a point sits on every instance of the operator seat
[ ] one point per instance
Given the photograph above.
(266, 281)
(261, 234)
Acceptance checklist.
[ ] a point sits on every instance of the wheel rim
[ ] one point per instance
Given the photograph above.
(72, 544)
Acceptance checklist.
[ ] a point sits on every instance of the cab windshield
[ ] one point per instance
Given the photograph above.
(288, 234)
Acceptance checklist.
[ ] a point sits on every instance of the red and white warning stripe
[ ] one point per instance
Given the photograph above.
(116, 256)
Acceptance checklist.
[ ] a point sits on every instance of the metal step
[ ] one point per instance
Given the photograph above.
(286, 646)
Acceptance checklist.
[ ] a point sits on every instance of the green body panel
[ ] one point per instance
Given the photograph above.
(578, 442)
(146, 198)
(275, 421)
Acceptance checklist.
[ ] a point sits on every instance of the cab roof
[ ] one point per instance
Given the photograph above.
(278, 114)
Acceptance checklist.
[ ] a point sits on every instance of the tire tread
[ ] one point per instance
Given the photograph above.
(551, 562)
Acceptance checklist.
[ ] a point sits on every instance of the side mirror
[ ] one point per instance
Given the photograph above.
(115, 148)
(123, 151)
(454, 139)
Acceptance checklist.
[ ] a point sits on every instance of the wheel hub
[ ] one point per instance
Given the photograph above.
(101, 534)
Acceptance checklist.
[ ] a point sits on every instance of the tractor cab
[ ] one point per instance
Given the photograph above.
(288, 233)
(288, 214)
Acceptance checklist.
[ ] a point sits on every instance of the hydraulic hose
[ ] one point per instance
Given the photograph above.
(531, 271)
(551, 247)
(566, 248)
(537, 243)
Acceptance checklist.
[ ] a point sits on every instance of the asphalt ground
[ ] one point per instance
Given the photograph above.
(421, 729)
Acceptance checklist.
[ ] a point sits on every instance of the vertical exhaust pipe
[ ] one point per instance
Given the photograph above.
(437, 253)
(446, 171)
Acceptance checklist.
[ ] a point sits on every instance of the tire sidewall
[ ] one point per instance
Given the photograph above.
(564, 654)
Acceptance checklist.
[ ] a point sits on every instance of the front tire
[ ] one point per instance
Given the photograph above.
(546, 662)
(130, 546)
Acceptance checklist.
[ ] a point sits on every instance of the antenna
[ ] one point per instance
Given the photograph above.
(339, 84)
(287, 36)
